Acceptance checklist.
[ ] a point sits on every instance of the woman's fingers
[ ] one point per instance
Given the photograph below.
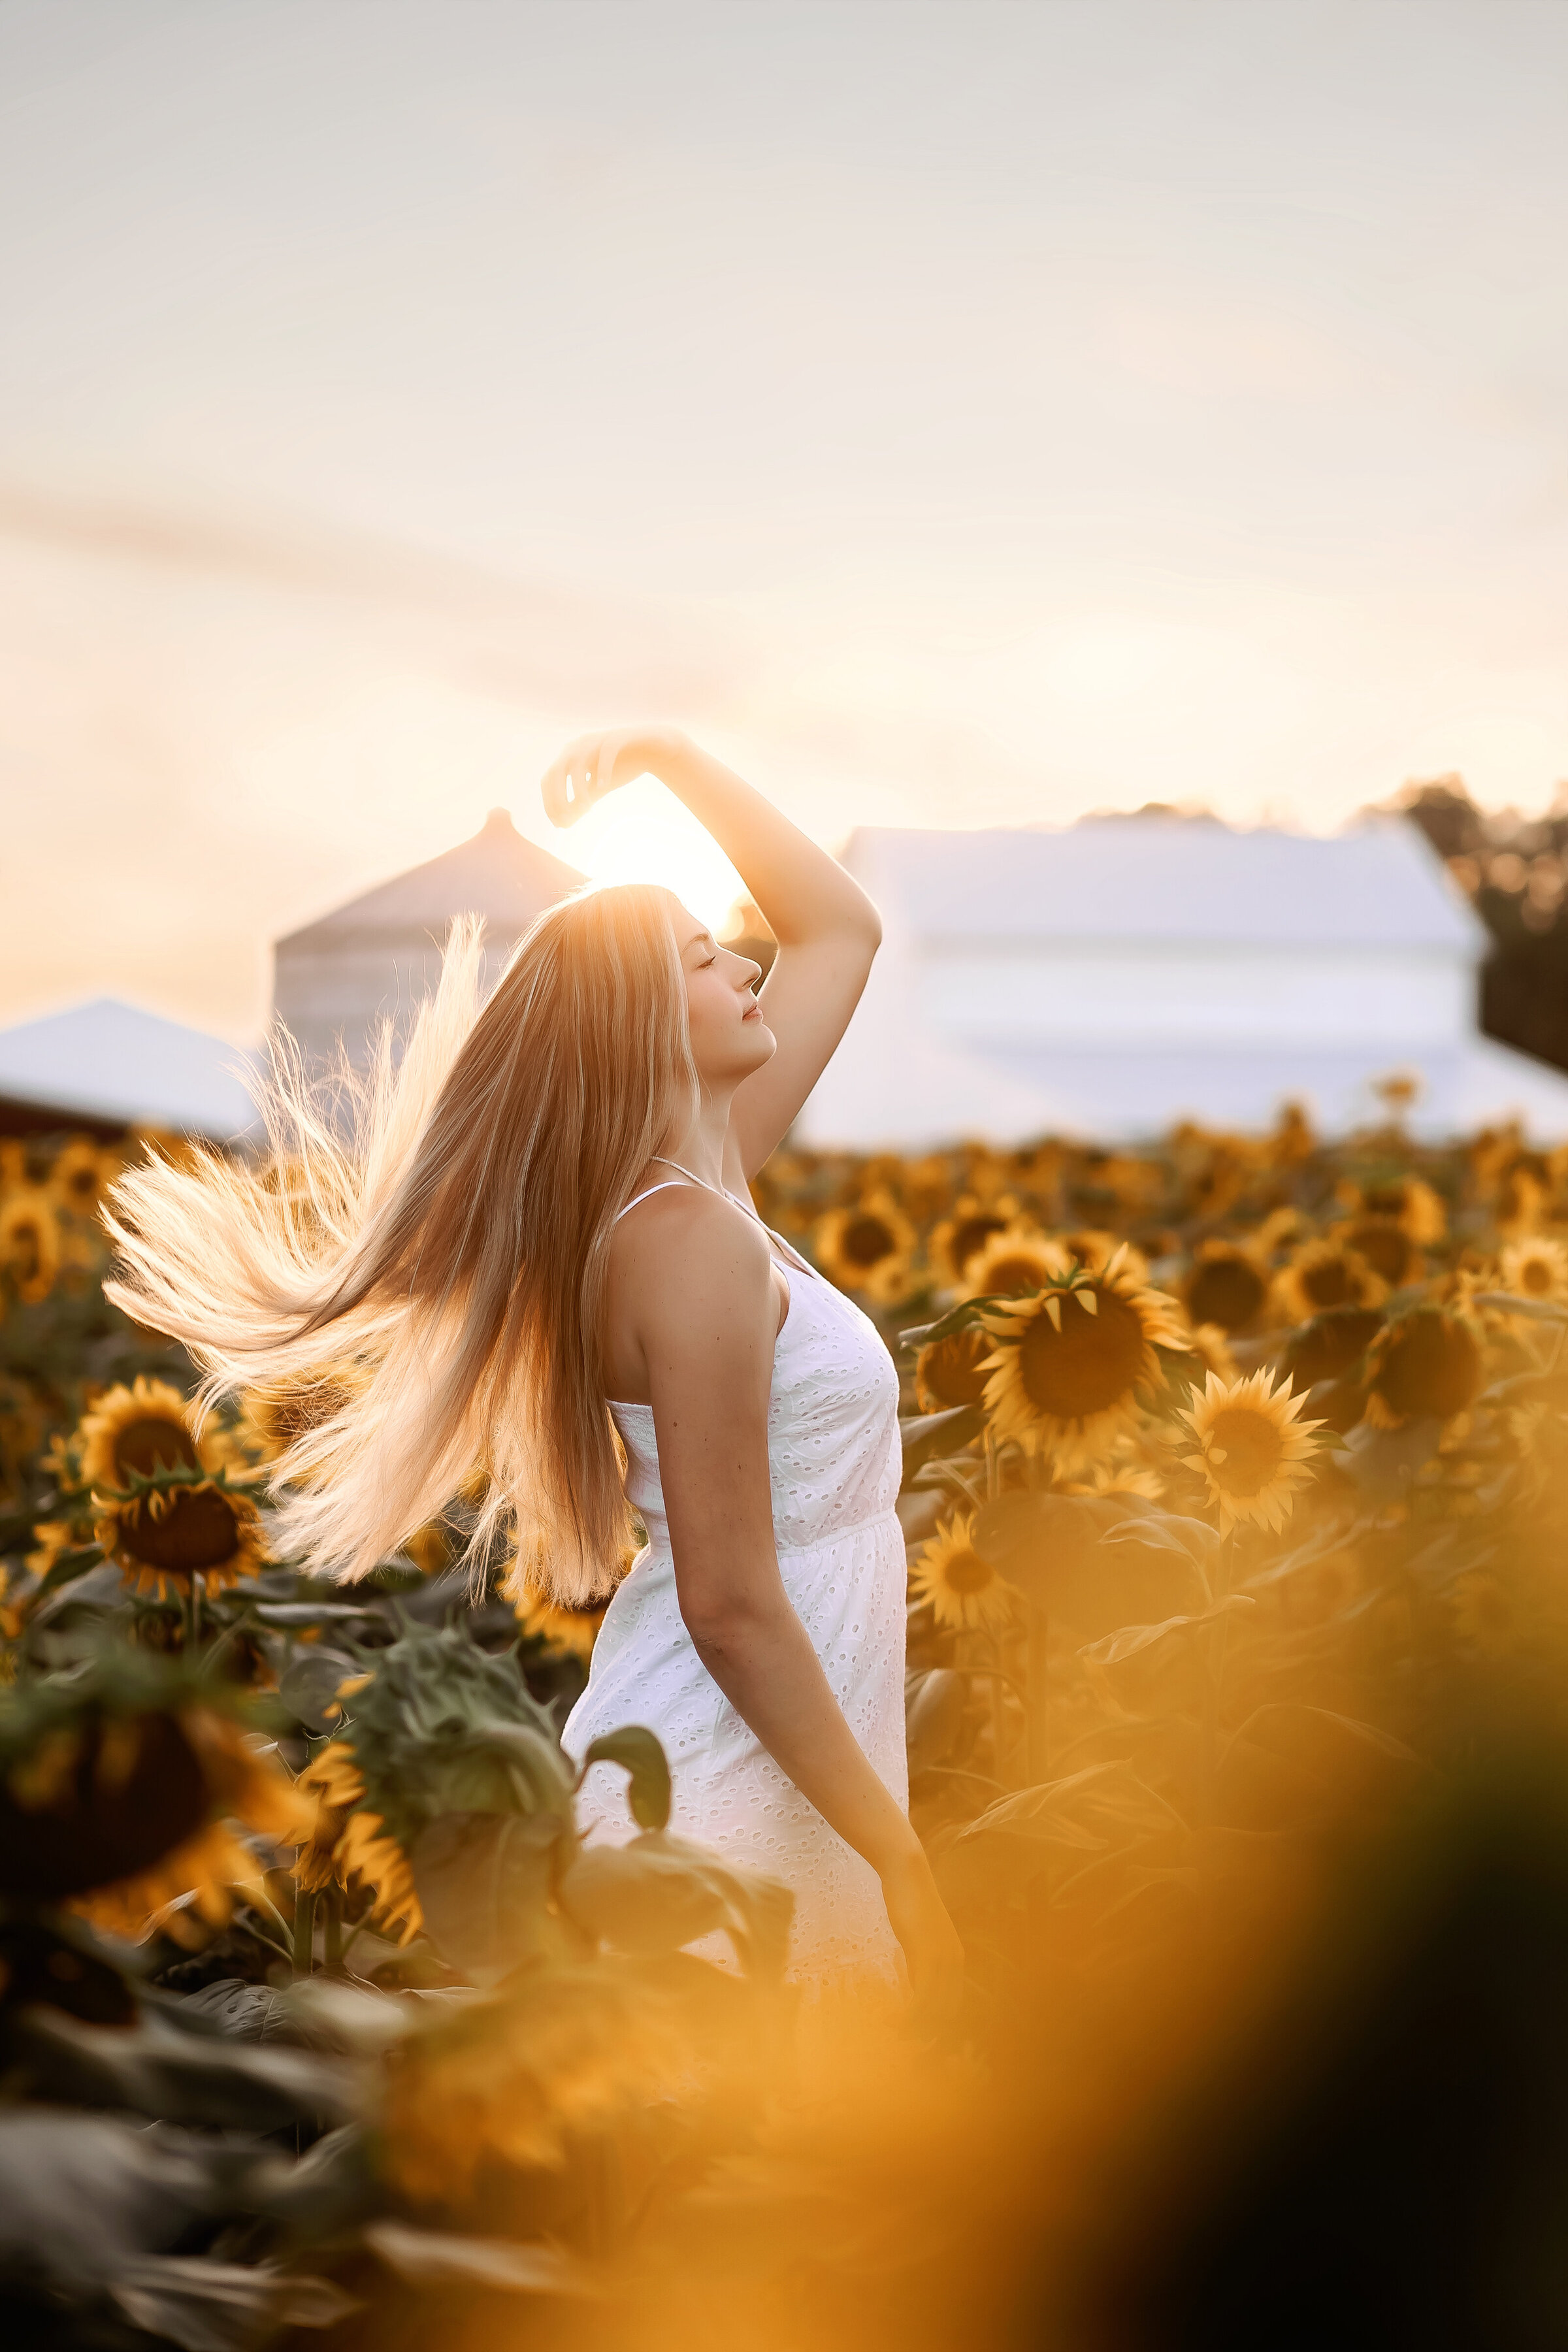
(589, 767)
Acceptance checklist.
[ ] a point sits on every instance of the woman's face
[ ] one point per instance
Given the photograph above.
(729, 1039)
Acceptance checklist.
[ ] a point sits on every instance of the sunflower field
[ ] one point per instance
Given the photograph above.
(1237, 1706)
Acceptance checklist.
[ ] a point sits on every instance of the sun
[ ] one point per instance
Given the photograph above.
(642, 834)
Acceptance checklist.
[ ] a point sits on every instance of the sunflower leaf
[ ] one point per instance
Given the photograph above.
(1383, 1462)
(647, 1770)
(483, 1881)
(1507, 1302)
(156, 2070)
(659, 1892)
(933, 1715)
(430, 2258)
(1132, 1641)
(926, 1434)
(81, 2194)
(206, 2306)
(967, 1312)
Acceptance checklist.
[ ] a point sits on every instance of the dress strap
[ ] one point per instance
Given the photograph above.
(669, 1185)
(792, 1256)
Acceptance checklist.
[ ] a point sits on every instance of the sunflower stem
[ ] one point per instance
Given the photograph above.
(999, 1721)
(304, 1932)
(332, 1936)
(1214, 1669)
(1036, 1673)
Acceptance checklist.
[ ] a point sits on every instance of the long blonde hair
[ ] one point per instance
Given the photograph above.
(424, 1251)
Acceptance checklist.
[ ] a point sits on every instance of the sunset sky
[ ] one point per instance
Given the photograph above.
(963, 415)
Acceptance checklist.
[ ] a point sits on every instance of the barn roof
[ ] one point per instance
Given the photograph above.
(1169, 878)
(114, 1062)
(497, 874)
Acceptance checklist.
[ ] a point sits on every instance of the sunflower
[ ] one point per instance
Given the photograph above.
(137, 1431)
(868, 1247)
(1385, 1245)
(961, 1237)
(439, 1726)
(348, 1846)
(1424, 1366)
(31, 1243)
(1118, 1479)
(81, 1176)
(1325, 1273)
(121, 1811)
(1410, 1202)
(1292, 1140)
(167, 1537)
(925, 1186)
(1094, 1249)
(1070, 1362)
(1012, 1264)
(1522, 1196)
(276, 1414)
(1536, 1268)
(575, 1630)
(1226, 1284)
(952, 1371)
(964, 1590)
(1332, 1344)
(1252, 1450)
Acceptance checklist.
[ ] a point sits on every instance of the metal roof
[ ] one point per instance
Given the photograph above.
(1169, 878)
(112, 1062)
(497, 874)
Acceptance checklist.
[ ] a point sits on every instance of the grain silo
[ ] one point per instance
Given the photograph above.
(381, 953)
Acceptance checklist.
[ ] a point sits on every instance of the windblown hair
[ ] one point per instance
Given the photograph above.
(414, 1274)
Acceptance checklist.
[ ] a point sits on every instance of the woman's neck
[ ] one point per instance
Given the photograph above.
(699, 1146)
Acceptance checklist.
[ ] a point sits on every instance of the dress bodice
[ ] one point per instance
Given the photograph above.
(832, 1425)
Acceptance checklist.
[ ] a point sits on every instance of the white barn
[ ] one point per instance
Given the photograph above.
(109, 1066)
(1111, 978)
(381, 953)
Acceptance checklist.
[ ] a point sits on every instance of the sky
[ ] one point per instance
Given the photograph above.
(953, 416)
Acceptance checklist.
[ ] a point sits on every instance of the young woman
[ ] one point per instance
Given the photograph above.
(540, 1236)
(762, 1634)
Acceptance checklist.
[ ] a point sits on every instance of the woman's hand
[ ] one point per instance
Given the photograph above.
(932, 1949)
(594, 764)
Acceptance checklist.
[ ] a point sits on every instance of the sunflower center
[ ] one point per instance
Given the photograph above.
(1386, 1246)
(970, 1235)
(1330, 1283)
(866, 1241)
(1244, 1449)
(26, 1252)
(1536, 1276)
(1331, 1343)
(964, 1571)
(1090, 1365)
(1228, 1291)
(102, 1826)
(197, 1530)
(1432, 1367)
(153, 1444)
(949, 1371)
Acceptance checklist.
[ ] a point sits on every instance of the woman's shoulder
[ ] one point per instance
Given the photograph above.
(691, 1222)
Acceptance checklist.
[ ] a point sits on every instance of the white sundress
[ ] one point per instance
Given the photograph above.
(834, 1462)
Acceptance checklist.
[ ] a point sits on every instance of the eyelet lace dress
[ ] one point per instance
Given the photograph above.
(834, 1461)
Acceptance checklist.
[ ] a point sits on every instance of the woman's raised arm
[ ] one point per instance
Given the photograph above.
(826, 927)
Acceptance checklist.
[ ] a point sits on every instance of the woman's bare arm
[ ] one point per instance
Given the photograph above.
(697, 1283)
(826, 927)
